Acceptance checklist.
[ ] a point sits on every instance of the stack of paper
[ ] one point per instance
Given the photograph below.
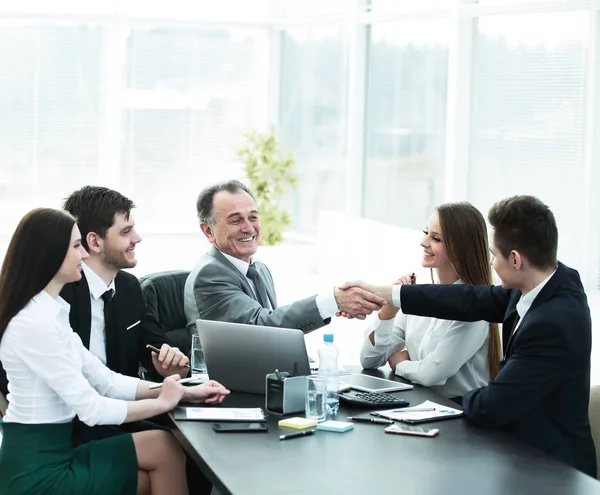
(421, 413)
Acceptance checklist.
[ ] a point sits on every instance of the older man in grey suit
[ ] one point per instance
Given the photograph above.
(227, 285)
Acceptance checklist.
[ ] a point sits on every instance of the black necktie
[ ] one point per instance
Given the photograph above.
(509, 332)
(261, 289)
(109, 329)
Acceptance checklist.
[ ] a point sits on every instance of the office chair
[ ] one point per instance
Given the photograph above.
(163, 292)
(594, 413)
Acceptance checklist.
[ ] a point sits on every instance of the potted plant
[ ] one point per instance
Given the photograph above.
(270, 175)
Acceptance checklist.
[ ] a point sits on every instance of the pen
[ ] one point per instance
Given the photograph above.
(413, 279)
(380, 421)
(277, 374)
(296, 435)
(183, 380)
(157, 350)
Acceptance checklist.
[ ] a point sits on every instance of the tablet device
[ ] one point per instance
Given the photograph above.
(368, 383)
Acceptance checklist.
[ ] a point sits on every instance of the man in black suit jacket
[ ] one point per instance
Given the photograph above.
(133, 329)
(541, 393)
(108, 234)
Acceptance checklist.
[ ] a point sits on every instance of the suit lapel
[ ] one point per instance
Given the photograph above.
(266, 276)
(216, 254)
(508, 333)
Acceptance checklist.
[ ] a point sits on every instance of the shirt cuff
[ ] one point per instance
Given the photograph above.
(326, 303)
(396, 296)
(401, 367)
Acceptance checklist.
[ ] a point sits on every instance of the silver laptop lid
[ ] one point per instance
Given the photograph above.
(240, 356)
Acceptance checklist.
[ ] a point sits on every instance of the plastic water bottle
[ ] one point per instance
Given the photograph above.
(328, 367)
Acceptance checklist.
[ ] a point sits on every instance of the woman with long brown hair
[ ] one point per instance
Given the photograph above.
(52, 377)
(451, 357)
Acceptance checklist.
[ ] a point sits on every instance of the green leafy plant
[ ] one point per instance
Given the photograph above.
(270, 174)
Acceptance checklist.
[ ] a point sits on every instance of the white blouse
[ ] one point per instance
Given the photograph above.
(448, 356)
(52, 376)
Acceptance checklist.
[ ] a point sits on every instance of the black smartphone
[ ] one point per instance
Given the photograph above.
(240, 427)
(402, 429)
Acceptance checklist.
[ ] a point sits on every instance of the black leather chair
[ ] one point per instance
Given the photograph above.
(163, 292)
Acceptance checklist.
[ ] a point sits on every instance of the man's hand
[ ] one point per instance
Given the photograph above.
(170, 361)
(357, 302)
(211, 392)
(396, 358)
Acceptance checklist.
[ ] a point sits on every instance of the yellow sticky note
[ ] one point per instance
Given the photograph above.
(298, 423)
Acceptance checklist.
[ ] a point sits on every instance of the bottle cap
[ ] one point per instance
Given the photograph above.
(328, 337)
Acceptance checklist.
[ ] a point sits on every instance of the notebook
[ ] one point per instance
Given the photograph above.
(219, 414)
(421, 413)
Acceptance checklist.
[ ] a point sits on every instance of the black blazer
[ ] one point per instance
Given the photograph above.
(541, 394)
(130, 337)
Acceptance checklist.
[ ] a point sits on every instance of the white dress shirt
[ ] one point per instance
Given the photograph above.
(52, 376)
(325, 300)
(527, 300)
(97, 327)
(448, 356)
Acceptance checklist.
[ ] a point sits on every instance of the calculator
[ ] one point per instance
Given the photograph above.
(372, 399)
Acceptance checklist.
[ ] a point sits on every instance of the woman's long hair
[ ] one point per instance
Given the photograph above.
(466, 240)
(35, 254)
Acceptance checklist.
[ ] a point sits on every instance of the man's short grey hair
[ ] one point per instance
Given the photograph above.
(205, 201)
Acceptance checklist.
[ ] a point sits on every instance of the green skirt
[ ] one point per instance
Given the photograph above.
(40, 459)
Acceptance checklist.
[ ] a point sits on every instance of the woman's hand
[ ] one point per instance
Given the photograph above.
(389, 312)
(211, 392)
(171, 392)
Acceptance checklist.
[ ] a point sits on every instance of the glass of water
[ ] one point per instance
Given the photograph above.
(198, 362)
(316, 392)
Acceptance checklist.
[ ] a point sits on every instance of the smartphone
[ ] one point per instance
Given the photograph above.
(402, 429)
(240, 427)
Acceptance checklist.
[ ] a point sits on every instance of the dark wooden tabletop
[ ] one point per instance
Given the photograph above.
(462, 459)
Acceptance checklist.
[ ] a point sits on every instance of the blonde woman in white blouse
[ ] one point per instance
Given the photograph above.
(52, 377)
(451, 357)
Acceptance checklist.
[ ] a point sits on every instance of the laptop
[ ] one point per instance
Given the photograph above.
(240, 356)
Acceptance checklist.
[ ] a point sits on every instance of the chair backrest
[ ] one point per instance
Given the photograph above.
(594, 413)
(163, 292)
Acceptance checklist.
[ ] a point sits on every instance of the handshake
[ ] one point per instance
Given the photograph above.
(357, 299)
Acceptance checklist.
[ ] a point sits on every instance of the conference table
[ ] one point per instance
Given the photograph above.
(462, 459)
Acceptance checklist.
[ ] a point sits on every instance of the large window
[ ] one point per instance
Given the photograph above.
(529, 113)
(50, 115)
(190, 95)
(406, 121)
(313, 118)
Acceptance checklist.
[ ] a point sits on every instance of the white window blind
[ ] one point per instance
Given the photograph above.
(50, 115)
(313, 119)
(528, 117)
(406, 121)
(189, 95)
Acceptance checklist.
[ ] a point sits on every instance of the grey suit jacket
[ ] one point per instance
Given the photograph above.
(216, 290)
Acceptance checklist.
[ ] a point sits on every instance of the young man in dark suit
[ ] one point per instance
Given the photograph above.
(541, 393)
(119, 336)
(106, 291)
